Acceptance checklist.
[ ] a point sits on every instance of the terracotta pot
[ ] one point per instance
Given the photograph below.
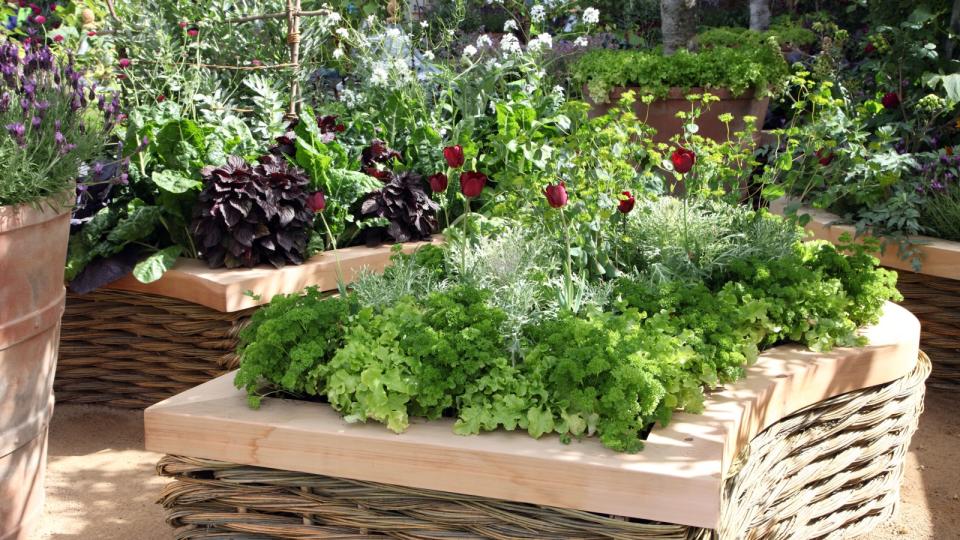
(33, 247)
(662, 113)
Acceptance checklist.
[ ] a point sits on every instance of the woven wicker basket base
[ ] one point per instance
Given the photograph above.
(133, 349)
(936, 302)
(831, 470)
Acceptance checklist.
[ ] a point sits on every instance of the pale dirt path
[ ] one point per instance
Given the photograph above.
(101, 484)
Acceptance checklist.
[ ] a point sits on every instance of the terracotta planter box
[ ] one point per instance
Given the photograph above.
(661, 114)
(132, 344)
(932, 294)
(33, 248)
(807, 444)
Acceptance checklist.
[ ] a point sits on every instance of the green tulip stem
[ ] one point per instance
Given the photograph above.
(567, 271)
(466, 233)
(341, 283)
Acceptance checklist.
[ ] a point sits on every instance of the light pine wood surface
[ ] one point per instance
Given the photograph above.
(226, 289)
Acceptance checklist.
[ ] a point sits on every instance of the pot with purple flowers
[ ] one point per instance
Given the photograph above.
(50, 127)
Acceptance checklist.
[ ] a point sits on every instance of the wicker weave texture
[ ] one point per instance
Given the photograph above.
(129, 349)
(936, 302)
(832, 470)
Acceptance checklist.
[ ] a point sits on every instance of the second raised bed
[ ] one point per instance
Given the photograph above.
(133, 344)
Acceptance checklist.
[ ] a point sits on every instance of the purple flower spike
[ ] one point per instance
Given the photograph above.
(59, 138)
(35, 122)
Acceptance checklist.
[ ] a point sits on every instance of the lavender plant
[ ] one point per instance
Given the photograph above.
(51, 122)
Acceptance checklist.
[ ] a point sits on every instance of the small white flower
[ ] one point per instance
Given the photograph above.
(343, 33)
(333, 18)
(393, 32)
(484, 41)
(510, 44)
(591, 15)
(428, 55)
(544, 41)
(558, 90)
(537, 13)
(371, 20)
(337, 53)
(581, 41)
(379, 76)
(510, 25)
(424, 24)
(469, 50)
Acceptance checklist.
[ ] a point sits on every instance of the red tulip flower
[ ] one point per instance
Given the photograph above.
(891, 100)
(472, 183)
(193, 32)
(683, 160)
(316, 201)
(438, 182)
(824, 159)
(556, 194)
(626, 203)
(454, 156)
(40, 19)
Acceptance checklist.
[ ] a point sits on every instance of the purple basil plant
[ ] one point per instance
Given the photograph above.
(53, 122)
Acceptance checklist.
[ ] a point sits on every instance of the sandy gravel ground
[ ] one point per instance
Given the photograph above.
(101, 483)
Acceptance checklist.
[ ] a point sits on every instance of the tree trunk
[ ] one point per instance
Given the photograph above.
(759, 15)
(948, 44)
(678, 22)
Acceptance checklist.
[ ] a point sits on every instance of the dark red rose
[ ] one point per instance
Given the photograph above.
(823, 158)
(316, 201)
(891, 100)
(438, 182)
(472, 183)
(683, 160)
(556, 194)
(454, 156)
(870, 48)
(627, 201)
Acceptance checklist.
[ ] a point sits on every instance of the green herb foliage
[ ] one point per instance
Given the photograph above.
(760, 68)
(431, 337)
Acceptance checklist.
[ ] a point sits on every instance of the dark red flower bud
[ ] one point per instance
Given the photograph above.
(556, 194)
(683, 160)
(438, 182)
(870, 48)
(824, 159)
(58, 38)
(193, 32)
(40, 19)
(627, 202)
(35, 9)
(124, 63)
(92, 33)
(454, 156)
(472, 183)
(161, 98)
(891, 100)
(340, 128)
(316, 201)
(182, 24)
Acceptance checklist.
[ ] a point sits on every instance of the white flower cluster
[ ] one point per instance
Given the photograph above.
(542, 42)
(469, 51)
(591, 15)
(510, 26)
(510, 44)
(538, 13)
(484, 41)
(581, 41)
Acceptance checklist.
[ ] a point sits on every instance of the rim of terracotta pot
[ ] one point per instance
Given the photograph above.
(19, 216)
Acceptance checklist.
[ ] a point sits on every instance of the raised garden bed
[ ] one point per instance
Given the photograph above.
(807, 445)
(932, 294)
(133, 344)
